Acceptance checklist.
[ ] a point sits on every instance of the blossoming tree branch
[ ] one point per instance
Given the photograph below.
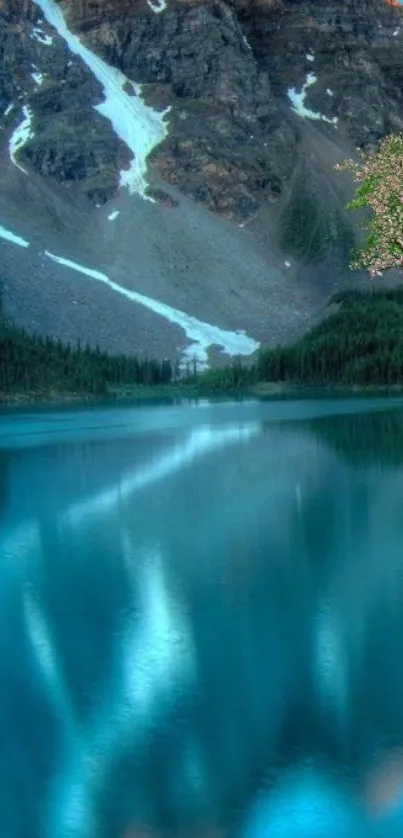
(380, 179)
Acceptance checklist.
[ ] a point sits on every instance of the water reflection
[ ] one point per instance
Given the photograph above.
(201, 633)
(363, 438)
(4, 476)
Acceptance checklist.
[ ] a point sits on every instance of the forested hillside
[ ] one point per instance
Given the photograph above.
(37, 365)
(361, 343)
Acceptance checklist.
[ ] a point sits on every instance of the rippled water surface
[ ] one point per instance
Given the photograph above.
(201, 621)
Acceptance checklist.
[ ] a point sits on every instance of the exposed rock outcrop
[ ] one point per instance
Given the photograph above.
(357, 56)
(71, 142)
(224, 68)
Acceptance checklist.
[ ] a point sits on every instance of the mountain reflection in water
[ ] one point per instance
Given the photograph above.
(201, 629)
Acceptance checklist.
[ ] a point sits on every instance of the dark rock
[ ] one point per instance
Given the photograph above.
(72, 143)
(162, 197)
(358, 56)
(225, 69)
(224, 143)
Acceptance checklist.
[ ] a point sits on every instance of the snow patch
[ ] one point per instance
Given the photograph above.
(38, 78)
(140, 127)
(41, 36)
(396, 32)
(158, 6)
(20, 137)
(329, 92)
(310, 56)
(8, 109)
(298, 105)
(287, 264)
(202, 335)
(11, 237)
(113, 215)
(246, 42)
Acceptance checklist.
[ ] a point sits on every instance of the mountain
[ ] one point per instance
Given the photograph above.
(166, 167)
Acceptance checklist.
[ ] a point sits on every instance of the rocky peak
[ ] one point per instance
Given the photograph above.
(83, 15)
(225, 69)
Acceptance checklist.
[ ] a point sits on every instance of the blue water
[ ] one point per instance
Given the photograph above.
(201, 621)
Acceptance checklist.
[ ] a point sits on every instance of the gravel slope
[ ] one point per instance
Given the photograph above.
(179, 253)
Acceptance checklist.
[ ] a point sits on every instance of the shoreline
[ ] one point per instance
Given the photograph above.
(259, 391)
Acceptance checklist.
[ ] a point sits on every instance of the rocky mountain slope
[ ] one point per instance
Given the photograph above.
(229, 116)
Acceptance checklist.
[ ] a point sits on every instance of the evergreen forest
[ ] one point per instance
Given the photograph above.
(39, 365)
(359, 343)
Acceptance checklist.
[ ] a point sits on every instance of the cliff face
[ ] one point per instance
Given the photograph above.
(69, 141)
(357, 56)
(225, 69)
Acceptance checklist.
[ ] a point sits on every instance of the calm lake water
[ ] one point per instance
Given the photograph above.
(201, 621)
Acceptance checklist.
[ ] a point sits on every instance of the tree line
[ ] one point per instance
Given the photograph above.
(32, 363)
(360, 344)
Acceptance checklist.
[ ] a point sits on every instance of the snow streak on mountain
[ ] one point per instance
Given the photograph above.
(140, 127)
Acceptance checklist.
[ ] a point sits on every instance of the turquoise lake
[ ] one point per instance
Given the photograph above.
(201, 622)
